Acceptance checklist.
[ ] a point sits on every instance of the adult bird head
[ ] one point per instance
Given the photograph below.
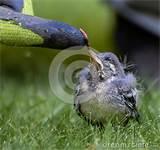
(105, 65)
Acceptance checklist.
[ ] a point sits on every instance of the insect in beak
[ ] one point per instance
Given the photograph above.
(85, 37)
(95, 60)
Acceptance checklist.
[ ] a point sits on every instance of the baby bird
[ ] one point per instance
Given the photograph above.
(105, 92)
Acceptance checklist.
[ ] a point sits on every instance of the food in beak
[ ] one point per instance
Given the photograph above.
(95, 60)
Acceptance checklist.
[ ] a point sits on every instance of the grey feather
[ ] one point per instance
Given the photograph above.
(98, 99)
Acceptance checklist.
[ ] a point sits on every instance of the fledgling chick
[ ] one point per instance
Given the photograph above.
(104, 91)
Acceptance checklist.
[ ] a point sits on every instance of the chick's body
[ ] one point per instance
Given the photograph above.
(103, 94)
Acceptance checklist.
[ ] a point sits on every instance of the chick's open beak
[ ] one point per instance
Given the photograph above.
(96, 60)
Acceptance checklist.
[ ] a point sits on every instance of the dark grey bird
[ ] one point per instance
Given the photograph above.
(105, 92)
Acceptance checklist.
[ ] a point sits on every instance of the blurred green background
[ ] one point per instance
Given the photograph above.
(93, 16)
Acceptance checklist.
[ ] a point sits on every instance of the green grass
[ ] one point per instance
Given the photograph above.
(32, 118)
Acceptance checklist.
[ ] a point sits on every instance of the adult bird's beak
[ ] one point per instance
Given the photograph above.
(95, 60)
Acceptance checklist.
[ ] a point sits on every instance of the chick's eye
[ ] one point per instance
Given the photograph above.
(107, 58)
(101, 75)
